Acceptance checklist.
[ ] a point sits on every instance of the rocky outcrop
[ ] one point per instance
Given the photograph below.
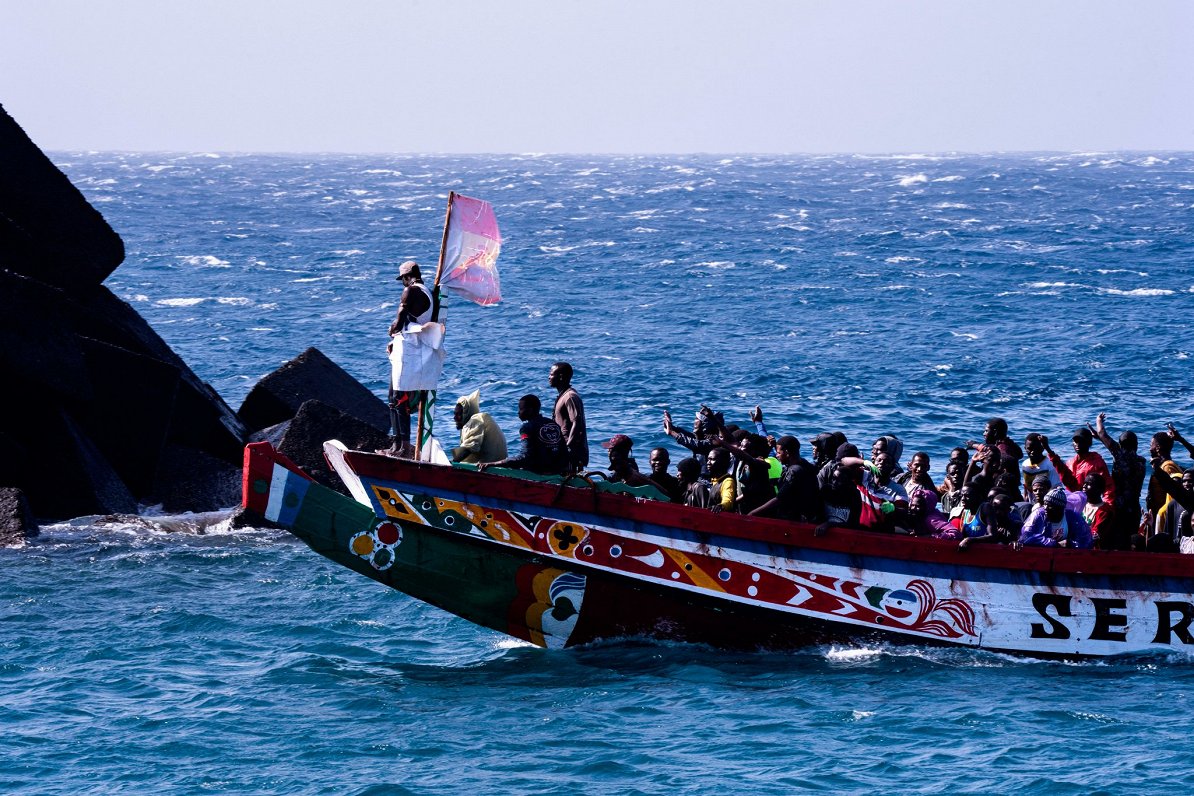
(16, 520)
(317, 422)
(99, 405)
(99, 415)
(48, 231)
(310, 376)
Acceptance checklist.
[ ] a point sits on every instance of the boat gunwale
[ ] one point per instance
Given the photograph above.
(586, 501)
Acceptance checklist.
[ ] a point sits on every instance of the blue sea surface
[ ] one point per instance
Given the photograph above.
(909, 294)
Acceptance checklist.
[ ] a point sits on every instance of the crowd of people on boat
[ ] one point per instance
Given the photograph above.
(993, 490)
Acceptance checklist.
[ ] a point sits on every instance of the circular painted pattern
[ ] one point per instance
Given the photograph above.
(377, 546)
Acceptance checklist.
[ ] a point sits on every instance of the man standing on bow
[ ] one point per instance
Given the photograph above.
(569, 415)
(413, 308)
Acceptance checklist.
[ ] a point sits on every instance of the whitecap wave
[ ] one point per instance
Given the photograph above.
(179, 302)
(204, 261)
(1140, 291)
(912, 179)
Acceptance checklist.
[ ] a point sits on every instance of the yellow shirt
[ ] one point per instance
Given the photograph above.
(726, 490)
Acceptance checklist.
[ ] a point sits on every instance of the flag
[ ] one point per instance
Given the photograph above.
(471, 248)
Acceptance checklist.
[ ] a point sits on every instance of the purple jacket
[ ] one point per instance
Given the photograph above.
(1039, 532)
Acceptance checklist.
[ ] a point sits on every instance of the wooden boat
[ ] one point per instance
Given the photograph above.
(561, 564)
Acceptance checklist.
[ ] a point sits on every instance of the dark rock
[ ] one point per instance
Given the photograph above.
(273, 435)
(98, 412)
(311, 376)
(47, 229)
(16, 520)
(247, 518)
(38, 344)
(190, 480)
(315, 423)
(97, 385)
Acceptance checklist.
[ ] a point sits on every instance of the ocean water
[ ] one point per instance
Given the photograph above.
(914, 294)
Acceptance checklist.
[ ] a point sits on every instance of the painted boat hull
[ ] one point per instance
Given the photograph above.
(565, 565)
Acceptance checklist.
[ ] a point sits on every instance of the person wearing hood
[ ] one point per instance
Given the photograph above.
(1056, 525)
(894, 447)
(481, 439)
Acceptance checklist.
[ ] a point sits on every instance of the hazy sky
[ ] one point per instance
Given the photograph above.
(618, 76)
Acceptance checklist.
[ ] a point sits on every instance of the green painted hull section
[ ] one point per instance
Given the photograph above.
(443, 568)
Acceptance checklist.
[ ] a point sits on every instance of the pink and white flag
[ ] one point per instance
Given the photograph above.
(471, 251)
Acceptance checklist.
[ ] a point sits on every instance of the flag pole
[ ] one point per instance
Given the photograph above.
(439, 272)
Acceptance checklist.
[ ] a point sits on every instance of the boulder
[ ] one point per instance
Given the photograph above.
(315, 423)
(16, 520)
(311, 376)
(189, 479)
(48, 231)
(100, 414)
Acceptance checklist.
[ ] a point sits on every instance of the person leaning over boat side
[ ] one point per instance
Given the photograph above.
(569, 415)
(797, 498)
(696, 491)
(1128, 470)
(542, 448)
(623, 469)
(1055, 525)
(924, 518)
(999, 523)
(725, 488)
(415, 307)
(481, 440)
(659, 460)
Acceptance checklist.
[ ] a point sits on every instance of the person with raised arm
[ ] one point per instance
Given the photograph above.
(1127, 473)
(706, 428)
(1177, 437)
(1087, 496)
(1082, 462)
(751, 470)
